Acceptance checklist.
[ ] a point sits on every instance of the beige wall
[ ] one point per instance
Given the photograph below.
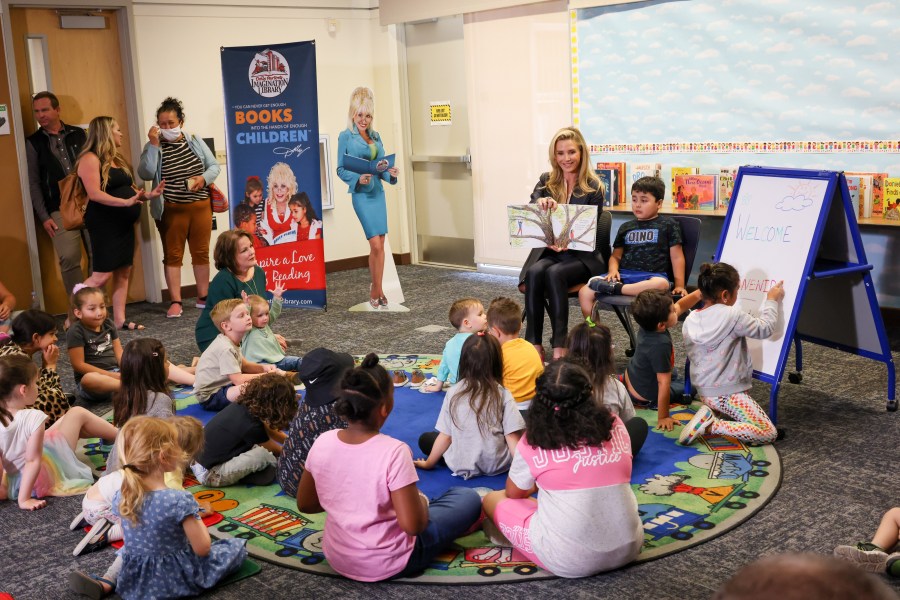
(178, 54)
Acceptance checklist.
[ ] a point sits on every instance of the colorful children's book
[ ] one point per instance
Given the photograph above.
(645, 170)
(853, 184)
(619, 168)
(726, 186)
(570, 226)
(877, 193)
(696, 192)
(678, 196)
(609, 180)
(865, 196)
(892, 198)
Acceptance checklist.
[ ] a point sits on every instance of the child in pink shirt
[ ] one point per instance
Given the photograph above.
(577, 456)
(379, 525)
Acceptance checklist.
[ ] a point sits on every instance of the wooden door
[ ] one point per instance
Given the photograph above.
(84, 69)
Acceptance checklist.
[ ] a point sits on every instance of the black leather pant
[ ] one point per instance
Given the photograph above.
(550, 278)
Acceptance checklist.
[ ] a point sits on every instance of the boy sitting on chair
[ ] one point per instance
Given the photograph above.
(644, 249)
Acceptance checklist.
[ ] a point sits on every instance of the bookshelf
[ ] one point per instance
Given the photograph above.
(721, 212)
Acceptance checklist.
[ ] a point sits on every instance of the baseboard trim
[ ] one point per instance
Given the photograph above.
(331, 266)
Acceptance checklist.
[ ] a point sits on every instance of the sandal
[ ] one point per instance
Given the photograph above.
(201, 302)
(382, 301)
(89, 585)
(169, 314)
(374, 303)
(131, 326)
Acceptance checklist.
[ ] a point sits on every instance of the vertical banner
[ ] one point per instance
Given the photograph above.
(272, 140)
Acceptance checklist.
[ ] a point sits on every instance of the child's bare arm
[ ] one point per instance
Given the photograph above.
(197, 534)
(512, 440)
(441, 444)
(688, 302)
(663, 420)
(242, 378)
(613, 266)
(272, 446)
(412, 513)
(307, 496)
(676, 256)
(76, 358)
(276, 435)
(34, 451)
(514, 491)
(117, 349)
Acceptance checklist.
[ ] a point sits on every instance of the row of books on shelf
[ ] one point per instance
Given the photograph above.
(873, 195)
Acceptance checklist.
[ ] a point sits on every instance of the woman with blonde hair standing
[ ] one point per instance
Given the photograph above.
(360, 140)
(114, 205)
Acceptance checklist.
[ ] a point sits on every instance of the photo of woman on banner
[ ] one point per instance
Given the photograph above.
(360, 140)
(276, 220)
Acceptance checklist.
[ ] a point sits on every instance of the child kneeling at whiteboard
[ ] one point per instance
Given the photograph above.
(721, 368)
(645, 250)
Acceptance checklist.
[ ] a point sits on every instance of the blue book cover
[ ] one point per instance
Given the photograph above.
(608, 179)
(368, 167)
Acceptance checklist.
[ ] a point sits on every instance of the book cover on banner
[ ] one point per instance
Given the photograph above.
(621, 191)
(569, 226)
(678, 195)
(608, 178)
(853, 185)
(696, 192)
(892, 198)
(368, 167)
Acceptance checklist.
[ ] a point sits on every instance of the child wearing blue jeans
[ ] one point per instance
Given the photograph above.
(644, 251)
(261, 344)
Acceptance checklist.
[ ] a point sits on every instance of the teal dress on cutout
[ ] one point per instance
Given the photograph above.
(368, 200)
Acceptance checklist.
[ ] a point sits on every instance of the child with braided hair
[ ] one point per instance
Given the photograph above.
(576, 454)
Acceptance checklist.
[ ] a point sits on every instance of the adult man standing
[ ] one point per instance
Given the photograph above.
(51, 152)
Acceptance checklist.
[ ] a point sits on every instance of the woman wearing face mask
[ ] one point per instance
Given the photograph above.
(188, 166)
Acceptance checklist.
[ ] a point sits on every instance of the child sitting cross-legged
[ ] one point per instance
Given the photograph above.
(467, 316)
(222, 369)
(244, 438)
(479, 425)
(379, 525)
(521, 362)
(644, 250)
(648, 376)
(261, 344)
(576, 455)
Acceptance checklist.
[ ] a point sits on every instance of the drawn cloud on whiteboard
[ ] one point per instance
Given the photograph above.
(795, 202)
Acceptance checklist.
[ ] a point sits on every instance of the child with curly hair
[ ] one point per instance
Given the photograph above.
(243, 439)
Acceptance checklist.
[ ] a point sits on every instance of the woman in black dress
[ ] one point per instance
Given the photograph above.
(549, 272)
(113, 208)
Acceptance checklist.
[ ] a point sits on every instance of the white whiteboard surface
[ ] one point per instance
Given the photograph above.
(769, 238)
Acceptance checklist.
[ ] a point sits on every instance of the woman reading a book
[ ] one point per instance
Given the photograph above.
(550, 272)
(360, 140)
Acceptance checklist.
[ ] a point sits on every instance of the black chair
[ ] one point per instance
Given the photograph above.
(690, 235)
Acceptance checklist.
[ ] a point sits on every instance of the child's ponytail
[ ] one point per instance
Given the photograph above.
(563, 414)
(145, 443)
(715, 278)
(15, 370)
(363, 390)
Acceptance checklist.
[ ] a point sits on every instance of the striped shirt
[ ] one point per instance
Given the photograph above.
(178, 164)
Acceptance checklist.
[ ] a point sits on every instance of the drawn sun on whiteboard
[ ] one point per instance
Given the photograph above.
(801, 197)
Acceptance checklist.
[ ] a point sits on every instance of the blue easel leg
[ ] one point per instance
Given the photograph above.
(892, 383)
(798, 354)
(773, 403)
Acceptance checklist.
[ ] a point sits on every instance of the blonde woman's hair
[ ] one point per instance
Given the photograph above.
(281, 172)
(587, 181)
(100, 141)
(145, 442)
(361, 98)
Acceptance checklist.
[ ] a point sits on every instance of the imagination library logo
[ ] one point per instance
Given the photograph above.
(269, 73)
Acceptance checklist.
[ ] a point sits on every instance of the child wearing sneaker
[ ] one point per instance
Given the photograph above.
(646, 250)
(721, 368)
(222, 369)
(261, 344)
(243, 440)
(467, 316)
(648, 376)
(522, 364)
(874, 556)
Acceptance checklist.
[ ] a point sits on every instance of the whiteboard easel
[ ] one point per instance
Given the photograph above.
(798, 226)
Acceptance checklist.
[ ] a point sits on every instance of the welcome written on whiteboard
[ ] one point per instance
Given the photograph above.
(754, 232)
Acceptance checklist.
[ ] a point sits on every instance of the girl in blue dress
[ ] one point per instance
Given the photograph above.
(360, 140)
(167, 552)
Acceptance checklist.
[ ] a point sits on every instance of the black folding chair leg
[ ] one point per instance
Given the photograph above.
(625, 320)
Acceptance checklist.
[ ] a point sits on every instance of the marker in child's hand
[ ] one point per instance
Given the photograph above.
(776, 292)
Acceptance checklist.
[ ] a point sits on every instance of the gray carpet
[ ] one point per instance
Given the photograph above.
(838, 458)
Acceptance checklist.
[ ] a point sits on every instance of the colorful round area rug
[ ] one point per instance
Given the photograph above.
(686, 495)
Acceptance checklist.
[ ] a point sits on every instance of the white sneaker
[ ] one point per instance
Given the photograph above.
(78, 522)
(696, 426)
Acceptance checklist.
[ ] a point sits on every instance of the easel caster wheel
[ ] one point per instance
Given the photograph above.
(629, 353)
(795, 377)
(892, 406)
(782, 433)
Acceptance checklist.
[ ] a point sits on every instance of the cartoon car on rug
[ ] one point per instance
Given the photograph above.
(488, 560)
(307, 542)
(730, 465)
(661, 520)
(717, 496)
